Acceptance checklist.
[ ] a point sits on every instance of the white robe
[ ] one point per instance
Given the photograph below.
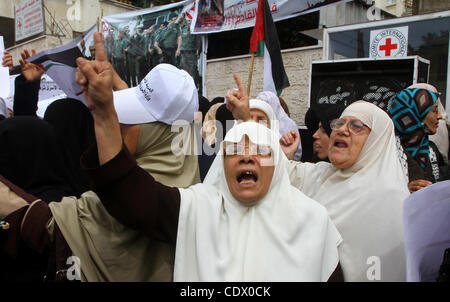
(364, 201)
(286, 236)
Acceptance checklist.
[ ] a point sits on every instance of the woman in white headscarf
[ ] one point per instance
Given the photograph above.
(286, 124)
(244, 223)
(363, 189)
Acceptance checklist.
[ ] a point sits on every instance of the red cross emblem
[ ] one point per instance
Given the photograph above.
(388, 47)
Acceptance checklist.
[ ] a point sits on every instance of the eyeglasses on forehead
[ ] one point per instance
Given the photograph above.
(254, 149)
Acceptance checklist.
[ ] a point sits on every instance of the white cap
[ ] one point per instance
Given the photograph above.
(166, 94)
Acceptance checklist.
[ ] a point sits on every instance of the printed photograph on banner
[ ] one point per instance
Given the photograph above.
(136, 42)
(222, 15)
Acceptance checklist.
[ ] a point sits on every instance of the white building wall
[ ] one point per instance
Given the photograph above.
(297, 62)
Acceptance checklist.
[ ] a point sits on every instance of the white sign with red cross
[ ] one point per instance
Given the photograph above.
(389, 42)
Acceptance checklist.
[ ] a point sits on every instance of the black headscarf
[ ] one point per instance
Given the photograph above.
(31, 159)
(204, 104)
(324, 114)
(74, 128)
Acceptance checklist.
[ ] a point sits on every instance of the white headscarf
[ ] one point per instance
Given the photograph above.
(364, 201)
(286, 124)
(264, 107)
(286, 236)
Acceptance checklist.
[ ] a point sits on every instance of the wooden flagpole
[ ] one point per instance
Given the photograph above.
(250, 74)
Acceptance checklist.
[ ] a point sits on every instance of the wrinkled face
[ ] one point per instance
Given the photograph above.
(321, 140)
(248, 170)
(432, 119)
(345, 144)
(259, 116)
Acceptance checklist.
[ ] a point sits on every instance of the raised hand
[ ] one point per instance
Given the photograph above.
(7, 60)
(96, 79)
(238, 101)
(289, 143)
(30, 71)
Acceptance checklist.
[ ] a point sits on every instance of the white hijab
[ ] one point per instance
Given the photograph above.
(285, 123)
(264, 107)
(286, 236)
(364, 201)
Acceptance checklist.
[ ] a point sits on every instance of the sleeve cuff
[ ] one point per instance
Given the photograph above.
(109, 172)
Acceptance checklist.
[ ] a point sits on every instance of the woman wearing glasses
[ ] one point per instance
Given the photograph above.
(363, 188)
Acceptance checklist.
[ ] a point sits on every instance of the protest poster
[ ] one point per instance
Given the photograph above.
(221, 15)
(137, 41)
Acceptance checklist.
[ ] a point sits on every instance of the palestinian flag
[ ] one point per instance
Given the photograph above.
(264, 41)
(60, 63)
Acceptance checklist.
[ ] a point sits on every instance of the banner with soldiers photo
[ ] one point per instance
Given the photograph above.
(137, 41)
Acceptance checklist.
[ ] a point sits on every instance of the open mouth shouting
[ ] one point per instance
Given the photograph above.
(247, 177)
(340, 143)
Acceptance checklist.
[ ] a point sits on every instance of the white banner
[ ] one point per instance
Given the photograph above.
(4, 73)
(48, 93)
(389, 42)
(29, 19)
(222, 15)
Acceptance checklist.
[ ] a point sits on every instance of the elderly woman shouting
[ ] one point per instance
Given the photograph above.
(363, 189)
(219, 227)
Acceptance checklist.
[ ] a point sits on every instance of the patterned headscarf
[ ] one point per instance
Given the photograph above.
(408, 110)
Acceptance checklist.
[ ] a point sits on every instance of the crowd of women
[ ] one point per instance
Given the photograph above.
(84, 197)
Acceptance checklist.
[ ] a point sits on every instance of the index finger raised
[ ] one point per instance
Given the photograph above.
(238, 81)
(100, 53)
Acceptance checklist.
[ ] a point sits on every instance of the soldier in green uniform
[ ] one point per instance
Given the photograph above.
(129, 62)
(169, 42)
(119, 55)
(109, 44)
(149, 39)
(157, 59)
(190, 50)
(136, 52)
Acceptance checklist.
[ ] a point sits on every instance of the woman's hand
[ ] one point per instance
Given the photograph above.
(7, 60)
(30, 71)
(238, 101)
(418, 184)
(289, 143)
